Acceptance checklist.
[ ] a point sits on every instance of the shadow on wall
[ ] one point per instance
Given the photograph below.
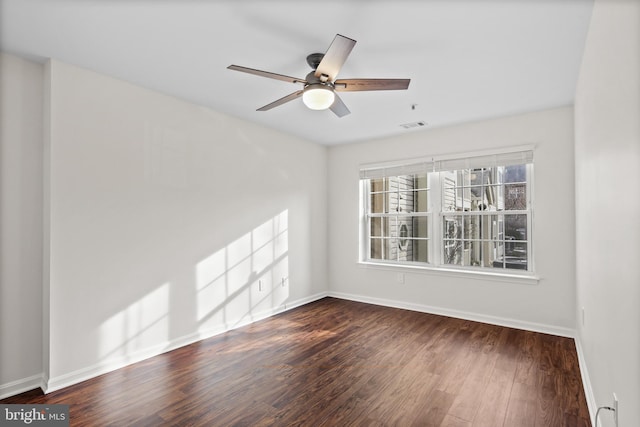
(245, 280)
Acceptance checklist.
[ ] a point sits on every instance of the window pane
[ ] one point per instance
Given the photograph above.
(452, 252)
(378, 202)
(452, 244)
(515, 227)
(452, 227)
(496, 227)
(463, 198)
(464, 177)
(448, 180)
(476, 199)
(392, 199)
(421, 201)
(515, 254)
(406, 202)
(393, 227)
(515, 196)
(420, 250)
(379, 227)
(476, 176)
(393, 251)
(420, 227)
(420, 181)
(487, 229)
(493, 197)
(379, 248)
(515, 173)
(472, 253)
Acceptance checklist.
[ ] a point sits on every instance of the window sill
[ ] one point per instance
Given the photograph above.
(524, 279)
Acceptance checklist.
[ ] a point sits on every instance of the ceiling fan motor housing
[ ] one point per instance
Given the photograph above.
(314, 60)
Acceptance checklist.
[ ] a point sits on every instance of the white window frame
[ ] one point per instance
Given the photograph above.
(435, 213)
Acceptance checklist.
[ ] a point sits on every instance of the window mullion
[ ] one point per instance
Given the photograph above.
(435, 223)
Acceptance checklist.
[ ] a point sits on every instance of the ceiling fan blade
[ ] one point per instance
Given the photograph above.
(339, 108)
(335, 57)
(266, 74)
(353, 85)
(281, 101)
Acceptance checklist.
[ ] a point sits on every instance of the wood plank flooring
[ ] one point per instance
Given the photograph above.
(342, 363)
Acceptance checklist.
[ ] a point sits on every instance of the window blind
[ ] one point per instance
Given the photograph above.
(493, 160)
(446, 164)
(396, 170)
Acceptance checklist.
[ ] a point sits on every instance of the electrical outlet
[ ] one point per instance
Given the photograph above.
(400, 278)
(283, 280)
(615, 409)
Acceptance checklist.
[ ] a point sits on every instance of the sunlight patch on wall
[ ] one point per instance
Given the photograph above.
(248, 276)
(141, 325)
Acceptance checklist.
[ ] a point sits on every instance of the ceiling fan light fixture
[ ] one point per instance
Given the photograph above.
(318, 97)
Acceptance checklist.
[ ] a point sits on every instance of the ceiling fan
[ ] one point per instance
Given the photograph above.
(320, 85)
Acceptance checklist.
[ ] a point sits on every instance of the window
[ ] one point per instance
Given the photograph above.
(471, 213)
(399, 218)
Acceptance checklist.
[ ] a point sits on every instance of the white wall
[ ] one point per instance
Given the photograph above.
(169, 222)
(607, 152)
(20, 224)
(548, 305)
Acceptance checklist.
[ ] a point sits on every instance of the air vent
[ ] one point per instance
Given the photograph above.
(413, 125)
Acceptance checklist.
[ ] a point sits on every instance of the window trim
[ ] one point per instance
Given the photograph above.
(436, 265)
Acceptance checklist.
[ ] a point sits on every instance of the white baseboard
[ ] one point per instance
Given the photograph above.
(586, 381)
(20, 386)
(75, 377)
(494, 320)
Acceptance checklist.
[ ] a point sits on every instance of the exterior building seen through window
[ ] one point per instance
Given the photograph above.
(470, 213)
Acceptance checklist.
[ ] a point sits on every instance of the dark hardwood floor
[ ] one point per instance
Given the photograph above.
(342, 363)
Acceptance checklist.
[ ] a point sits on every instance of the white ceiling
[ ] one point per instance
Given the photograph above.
(467, 59)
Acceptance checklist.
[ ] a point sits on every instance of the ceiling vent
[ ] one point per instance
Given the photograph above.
(413, 125)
